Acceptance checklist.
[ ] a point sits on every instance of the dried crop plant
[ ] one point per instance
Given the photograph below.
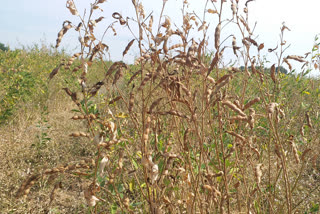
(175, 136)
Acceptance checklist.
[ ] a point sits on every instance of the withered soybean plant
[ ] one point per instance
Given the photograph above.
(180, 132)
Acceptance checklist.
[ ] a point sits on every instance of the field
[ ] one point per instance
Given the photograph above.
(175, 132)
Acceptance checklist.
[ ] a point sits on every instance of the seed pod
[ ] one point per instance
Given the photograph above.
(144, 81)
(145, 136)
(294, 149)
(154, 104)
(223, 78)
(207, 187)
(304, 154)
(209, 93)
(65, 27)
(240, 137)
(150, 23)
(258, 173)
(308, 120)
(165, 46)
(273, 73)
(211, 80)
(120, 161)
(176, 46)
(251, 41)
(251, 117)
(117, 76)
(115, 100)
(251, 102)
(238, 117)
(234, 46)
(217, 36)
(54, 71)
(234, 9)
(131, 102)
(75, 134)
(26, 186)
(78, 117)
(220, 173)
(128, 47)
(297, 58)
(272, 107)
(233, 107)
(91, 199)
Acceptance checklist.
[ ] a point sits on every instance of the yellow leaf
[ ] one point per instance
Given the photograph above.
(306, 92)
(212, 11)
(122, 115)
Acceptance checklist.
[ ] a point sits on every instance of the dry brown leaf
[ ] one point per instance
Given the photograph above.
(261, 46)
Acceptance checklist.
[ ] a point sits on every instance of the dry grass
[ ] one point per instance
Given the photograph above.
(176, 133)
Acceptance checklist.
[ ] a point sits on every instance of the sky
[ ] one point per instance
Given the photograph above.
(25, 23)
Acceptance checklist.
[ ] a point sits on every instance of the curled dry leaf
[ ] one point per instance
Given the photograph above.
(72, 8)
(251, 41)
(261, 46)
(246, 4)
(167, 22)
(284, 27)
(78, 28)
(272, 49)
